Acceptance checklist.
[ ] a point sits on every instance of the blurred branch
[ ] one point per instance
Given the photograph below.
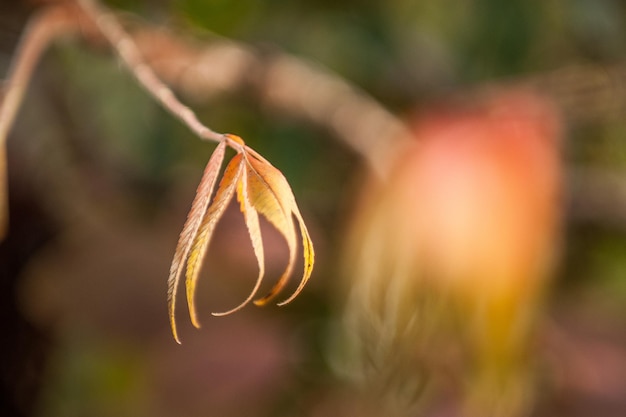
(305, 90)
(286, 83)
(132, 58)
(200, 70)
(51, 23)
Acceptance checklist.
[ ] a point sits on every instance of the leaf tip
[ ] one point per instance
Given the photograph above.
(221, 314)
(261, 302)
(288, 300)
(195, 321)
(174, 330)
(233, 310)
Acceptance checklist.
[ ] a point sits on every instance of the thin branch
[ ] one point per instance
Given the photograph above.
(289, 84)
(303, 89)
(130, 55)
(41, 30)
(292, 85)
(297, 86)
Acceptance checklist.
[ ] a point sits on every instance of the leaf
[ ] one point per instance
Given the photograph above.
(207, 227)
(271, 196)
(309, 256)
(251, 218)
(276, 210)
(190, 229)
(261, 189)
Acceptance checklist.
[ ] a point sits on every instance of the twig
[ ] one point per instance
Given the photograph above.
(130, 55)
(41, 30)
(297, 86)
(289, 84)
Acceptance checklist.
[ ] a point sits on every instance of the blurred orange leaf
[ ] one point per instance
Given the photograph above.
(261, 188)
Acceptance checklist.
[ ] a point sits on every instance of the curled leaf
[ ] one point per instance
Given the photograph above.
(190, 229)
(271, 196)
(261, 189)
(207, 227)
(251, 218)
(309, 256)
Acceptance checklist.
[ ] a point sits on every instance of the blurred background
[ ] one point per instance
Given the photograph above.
(101, 179)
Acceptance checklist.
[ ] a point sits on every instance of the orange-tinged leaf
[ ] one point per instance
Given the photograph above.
(235, 139)
(251, 218)
(309, 256)
(271, 203)
(277, 182)
(274, 179)
(207, 227)
(261, 189)
(274, 189)
(194, 219)
(266, 199)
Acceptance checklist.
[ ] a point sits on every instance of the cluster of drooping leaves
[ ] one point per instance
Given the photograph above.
(261, 189)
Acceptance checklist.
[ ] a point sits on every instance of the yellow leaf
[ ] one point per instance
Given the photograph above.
(194, 219)
(260, 188)
(267, 202)
(309, 256)
(207, 227)
(251, 218)
(271, 196)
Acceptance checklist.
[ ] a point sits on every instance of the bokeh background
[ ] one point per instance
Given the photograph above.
(101, 179)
